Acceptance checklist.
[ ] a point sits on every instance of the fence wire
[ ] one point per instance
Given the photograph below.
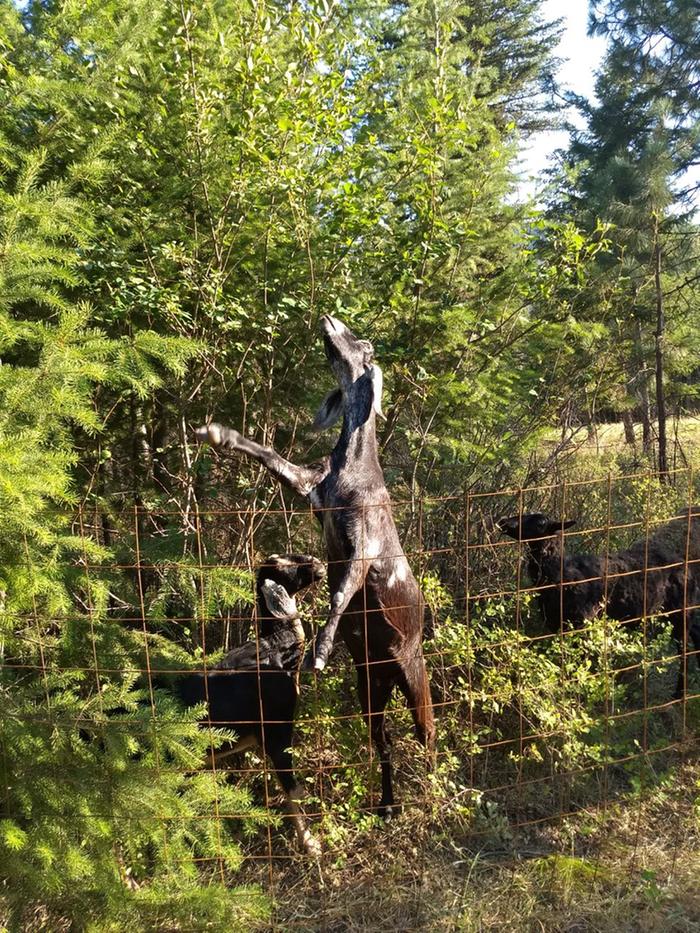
(535, 725)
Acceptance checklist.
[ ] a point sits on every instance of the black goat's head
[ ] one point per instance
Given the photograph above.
(280, 576)
(359, 378)
(532, 526)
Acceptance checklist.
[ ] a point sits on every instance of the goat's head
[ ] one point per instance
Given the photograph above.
(280, 576)
(360, 380)
(532, 526)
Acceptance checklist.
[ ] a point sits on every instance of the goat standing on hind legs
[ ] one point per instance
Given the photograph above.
(375, 599)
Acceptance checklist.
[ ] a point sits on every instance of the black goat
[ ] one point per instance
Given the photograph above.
(660, 574)
(253, 690)
(375, 598)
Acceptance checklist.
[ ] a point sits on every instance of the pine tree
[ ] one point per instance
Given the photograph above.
(100, 820)
(628, 170)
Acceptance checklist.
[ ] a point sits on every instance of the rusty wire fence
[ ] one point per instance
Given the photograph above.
(534, 725)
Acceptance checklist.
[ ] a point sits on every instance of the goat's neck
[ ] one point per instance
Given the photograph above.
(268, 626)
(544, 559)
(272, 629)
(357, 443)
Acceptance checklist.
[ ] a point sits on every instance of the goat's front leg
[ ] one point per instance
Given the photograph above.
(352, 580)
(300, 479)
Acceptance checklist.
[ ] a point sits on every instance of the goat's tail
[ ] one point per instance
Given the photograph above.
(415, 686)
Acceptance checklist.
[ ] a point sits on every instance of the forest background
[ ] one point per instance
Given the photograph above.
(184, 189)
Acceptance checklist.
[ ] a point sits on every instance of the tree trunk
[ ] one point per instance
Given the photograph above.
(628, 425)
(659, 348)
(643, 392)
(161, 475)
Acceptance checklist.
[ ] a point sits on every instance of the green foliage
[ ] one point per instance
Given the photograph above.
(184, 189)
(105, 814)
(103, 818)
(627, 167)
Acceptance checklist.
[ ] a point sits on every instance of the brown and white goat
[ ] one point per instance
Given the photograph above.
(375, 599)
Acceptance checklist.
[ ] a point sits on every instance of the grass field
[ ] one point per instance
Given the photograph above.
(630, 866)
(608, 441)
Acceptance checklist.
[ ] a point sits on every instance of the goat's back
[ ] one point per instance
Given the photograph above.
(646, 578)
(241, 700)
(581, 595)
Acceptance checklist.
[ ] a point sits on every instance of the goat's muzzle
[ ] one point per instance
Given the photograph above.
(330, 324)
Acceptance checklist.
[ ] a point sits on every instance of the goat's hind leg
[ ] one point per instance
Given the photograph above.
(686, 631)
(374, 697)
(679, 692)
(414, 685)
(282, 762)
(694, 637)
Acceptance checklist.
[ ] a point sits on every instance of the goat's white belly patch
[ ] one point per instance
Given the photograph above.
(399, 571)
(371, 548)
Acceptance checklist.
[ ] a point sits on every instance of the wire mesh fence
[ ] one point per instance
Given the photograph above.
(554, 678)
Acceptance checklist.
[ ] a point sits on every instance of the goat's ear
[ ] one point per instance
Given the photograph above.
(377, 377)
(331, 409)
(279, 603)
(554, 527)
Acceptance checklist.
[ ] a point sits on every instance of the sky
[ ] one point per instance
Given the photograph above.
(581, 55)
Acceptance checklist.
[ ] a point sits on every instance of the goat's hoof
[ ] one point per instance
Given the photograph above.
(217, 435)
(209, 434)
(388, 811)
(311, 845)
(312, 663)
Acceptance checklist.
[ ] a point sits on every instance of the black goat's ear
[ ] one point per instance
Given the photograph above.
(279, 603)
(331, 409)
(554, 527)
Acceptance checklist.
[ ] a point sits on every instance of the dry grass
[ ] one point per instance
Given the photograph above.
(632, 865)
(683, 440)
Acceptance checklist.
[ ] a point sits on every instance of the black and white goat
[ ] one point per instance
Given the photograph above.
(660, 574)
(375, 599)
(253, 690)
